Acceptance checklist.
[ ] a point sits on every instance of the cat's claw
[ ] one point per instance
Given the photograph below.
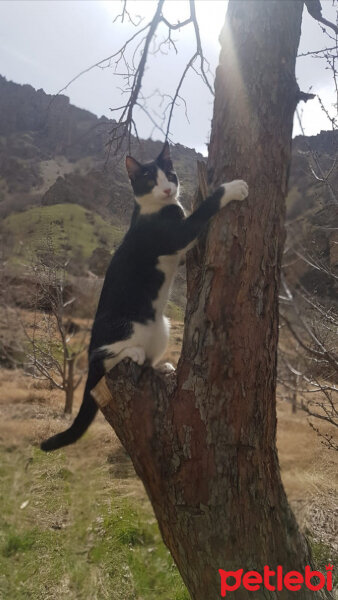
(166, 368)
(234, 190)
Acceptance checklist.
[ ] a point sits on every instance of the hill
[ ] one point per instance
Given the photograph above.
(52, 152)
(52, 179)
(75, 232)
(314, 159)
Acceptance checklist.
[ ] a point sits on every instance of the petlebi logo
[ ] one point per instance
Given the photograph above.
(273, 580)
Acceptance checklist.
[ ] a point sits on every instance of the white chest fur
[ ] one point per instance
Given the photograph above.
(168, 265)
(150, 340)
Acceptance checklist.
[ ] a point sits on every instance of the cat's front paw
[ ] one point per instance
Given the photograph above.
(234, 190)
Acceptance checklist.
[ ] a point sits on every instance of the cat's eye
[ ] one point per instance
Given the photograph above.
(150, 182)
(171, 177)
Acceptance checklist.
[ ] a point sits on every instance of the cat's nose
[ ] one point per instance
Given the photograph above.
(168, 191)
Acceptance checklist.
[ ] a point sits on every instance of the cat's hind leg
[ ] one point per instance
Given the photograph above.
(136, 353)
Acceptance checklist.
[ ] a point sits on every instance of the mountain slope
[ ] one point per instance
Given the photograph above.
(73, 232)
(53, 179)
(52, 152)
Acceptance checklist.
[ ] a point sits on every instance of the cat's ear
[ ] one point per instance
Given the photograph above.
(133, 167)
(164, 157)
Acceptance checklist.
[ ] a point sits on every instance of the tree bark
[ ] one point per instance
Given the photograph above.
(203, 440)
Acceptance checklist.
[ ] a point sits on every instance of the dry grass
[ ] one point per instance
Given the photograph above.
(98, 468)
(76, 523)
(30, 412)
(310, 475)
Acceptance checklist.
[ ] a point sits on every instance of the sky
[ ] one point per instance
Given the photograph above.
(47, 42)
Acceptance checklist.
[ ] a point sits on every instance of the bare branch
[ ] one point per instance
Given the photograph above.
(320, 175)
(125, 13)
(315, 10)
(323, 51)
(133, 74)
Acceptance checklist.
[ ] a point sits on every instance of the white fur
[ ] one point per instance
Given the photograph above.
(149, 341)
(152, 337)
(168, 265)
(234, 190)
(157, 198)
(166, 368)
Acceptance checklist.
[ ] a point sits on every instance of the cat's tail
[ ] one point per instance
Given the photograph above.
(86, 415)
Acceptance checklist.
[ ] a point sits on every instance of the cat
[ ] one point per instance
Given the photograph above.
(130, 319)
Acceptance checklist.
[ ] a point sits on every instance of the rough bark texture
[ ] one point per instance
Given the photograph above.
(203, 440)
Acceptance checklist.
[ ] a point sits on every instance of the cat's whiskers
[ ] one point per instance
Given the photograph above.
(150, 204)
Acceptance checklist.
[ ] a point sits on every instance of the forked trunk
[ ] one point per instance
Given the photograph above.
(204, 443)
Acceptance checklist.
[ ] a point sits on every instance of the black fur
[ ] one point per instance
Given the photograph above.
(143, 177)
(133, 281)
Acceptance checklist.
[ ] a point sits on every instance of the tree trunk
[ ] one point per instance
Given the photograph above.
(69, 386)
(203, 440)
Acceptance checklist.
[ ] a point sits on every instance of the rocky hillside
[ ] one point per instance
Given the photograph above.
(313, 159)
(312, 224)
(52, 152)
(53, 181)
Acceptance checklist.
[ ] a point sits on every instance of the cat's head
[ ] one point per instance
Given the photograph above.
(155, 184)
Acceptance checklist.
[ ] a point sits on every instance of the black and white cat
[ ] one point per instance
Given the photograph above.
(130, 319)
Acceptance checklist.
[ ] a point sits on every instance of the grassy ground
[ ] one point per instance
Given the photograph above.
(69, 533)
(74, 524)
(77, 525)
(70, 226)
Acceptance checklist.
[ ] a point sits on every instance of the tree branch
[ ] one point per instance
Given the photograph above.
(314, 8)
